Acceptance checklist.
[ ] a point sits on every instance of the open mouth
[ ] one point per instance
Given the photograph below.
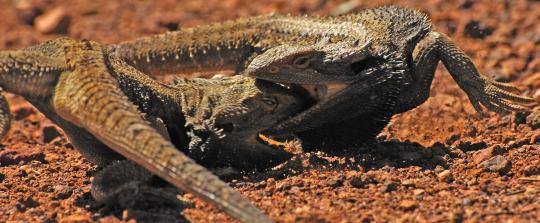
(317, 98)
(329, 96)
(322, 92)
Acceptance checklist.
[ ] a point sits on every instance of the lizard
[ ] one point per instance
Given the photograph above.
(331, 70)
(230, 45)
(110, 111)
(401, 38)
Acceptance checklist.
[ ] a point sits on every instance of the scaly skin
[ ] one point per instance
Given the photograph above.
(373, 34)
(329, 70)
(229, 45)
(105, 108)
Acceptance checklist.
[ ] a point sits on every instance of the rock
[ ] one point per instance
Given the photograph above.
(49, 133)
(497, 164)
(27, 11)
(472, 182)
(361, 181)
(294, 190)
(81, 219)
(467, 201)
(408, 183)
(535, 139)
(438, 169)
(445, 176)
(62, 192)
(25, 154)
(417, 192)
(485, 154)
(536, 96)
(533, 119)
(24, 203)
(388, 186)
(477, 30)
(53, 21)
(336, 181)
(533, 169)
(408, 205)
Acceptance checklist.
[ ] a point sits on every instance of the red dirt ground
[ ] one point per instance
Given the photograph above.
(440, 162)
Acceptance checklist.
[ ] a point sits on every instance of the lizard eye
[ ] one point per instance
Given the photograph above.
(273, 69)
(301, 62)
(272, 102)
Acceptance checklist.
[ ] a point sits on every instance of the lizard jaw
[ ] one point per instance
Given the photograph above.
(321, 92)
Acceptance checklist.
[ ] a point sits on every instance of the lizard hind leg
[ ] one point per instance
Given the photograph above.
(90, 97)
(127, 186)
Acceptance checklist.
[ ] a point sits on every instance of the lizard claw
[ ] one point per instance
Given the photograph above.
(498, 97)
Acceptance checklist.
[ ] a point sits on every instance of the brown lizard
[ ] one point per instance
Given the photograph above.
(109, 110)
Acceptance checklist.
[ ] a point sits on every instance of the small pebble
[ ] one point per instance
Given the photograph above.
(536, 96)
(361, 181)
(408, 205)
(388, 186)
(497, 164)
(467, 201)
(485, 154)
(533, 169)
(445, 176)
(417, 192)
(49, 133)
(53, 21)
(408, 183)
(62, 192)
(533, 119)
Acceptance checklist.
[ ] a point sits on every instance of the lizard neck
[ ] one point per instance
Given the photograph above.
(226, 46)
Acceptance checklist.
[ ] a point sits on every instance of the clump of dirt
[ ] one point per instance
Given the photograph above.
(438, 162)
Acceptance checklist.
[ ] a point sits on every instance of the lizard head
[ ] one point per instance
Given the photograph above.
(331, 73)
(258, 107)
(239, 109)
(322, 69)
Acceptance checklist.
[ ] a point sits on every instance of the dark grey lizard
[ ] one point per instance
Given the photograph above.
(335, 71)
(396, 44)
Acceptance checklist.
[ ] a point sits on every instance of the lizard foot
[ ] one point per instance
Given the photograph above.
(496, 96)
(124, 185)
